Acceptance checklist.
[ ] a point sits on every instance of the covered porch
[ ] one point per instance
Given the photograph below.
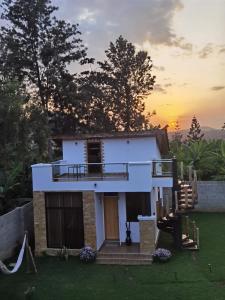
(115, 214)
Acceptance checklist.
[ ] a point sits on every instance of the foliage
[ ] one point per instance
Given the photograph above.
(161, 254)
(17, 132)
(195, 134)
(118, 89)
(207, 157)
(87, 255)
(37, 49)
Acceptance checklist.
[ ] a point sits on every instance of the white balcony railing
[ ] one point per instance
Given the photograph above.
(89, 171)
(106, 177)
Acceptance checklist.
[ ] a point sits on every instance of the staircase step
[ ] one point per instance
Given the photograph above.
(192, 248)
(184, 206)
(123, 261)
(184, 237)
(188, 243)
(120, 255)
(183, 201)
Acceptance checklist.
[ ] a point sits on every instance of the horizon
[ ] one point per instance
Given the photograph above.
(187, 53)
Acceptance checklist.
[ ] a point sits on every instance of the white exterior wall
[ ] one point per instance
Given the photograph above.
(130, 150)
(115, 150)
(74, 151)
(140, 180)
(99, 214)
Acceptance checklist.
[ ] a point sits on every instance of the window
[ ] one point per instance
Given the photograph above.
(137, 204)
(94, 157)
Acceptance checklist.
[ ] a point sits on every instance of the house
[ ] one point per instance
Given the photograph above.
(103, 182)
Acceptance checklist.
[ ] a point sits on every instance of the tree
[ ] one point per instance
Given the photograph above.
(223, 127)
(14, 136)
(121, 85)
(194, 134)
(37, 49)
(177, 136)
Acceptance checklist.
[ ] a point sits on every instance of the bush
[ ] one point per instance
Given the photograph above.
(87, 255)
(161, 255)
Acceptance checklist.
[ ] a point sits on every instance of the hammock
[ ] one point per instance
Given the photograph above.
(3, 267)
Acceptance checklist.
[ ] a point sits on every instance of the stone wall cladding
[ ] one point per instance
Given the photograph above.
(89, 219)
(147, 236)
(39, 222)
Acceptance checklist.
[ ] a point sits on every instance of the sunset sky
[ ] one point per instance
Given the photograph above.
(185, 39)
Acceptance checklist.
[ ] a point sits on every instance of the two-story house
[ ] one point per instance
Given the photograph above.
(103, 182)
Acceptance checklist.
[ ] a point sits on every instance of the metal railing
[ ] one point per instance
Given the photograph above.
(162, 168)
(89, 171)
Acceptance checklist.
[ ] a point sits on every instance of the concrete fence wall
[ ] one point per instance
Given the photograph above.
(12, 227)
(211, 196)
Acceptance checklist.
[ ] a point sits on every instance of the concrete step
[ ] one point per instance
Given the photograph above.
(123, 261)
(120, 255)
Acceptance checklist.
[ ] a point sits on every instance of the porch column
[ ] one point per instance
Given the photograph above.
(39, 222)
(89, 219)
(147, 227)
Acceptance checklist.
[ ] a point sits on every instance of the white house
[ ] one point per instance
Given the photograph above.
(103, 182)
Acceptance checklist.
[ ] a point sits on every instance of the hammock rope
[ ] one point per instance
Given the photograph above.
(3, 267)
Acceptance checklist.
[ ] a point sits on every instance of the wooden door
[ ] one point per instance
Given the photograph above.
(111, 217)
(64, 212)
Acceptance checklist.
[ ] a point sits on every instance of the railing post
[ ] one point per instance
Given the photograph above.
(127, 175)
(175, 183)
(190, 173)
(182, 170)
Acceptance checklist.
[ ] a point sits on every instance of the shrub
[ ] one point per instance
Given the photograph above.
(87, 255)
(161, 254)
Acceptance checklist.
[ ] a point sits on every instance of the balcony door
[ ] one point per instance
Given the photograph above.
(94, 157)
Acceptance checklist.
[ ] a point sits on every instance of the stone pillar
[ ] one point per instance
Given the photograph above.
(39, 222)
(147, 227)
(89, 219)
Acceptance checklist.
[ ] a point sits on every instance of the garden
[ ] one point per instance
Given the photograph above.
(192, 275)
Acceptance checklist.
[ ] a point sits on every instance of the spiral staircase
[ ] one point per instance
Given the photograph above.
(176, 221)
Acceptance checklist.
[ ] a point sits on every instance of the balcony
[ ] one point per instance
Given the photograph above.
(162, 168)
(101, 177)
(89, 172)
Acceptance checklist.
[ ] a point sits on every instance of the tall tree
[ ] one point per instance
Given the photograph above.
(123, 82)
(37, 48)
(195, 134)
(177, 136)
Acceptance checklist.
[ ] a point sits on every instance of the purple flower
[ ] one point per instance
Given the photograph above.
(87, 254)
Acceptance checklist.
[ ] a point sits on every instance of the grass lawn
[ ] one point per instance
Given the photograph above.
(186, 276)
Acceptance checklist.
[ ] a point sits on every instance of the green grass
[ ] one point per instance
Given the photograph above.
(186, 276)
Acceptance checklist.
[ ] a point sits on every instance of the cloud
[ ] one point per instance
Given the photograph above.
(218, 88)
(168, 84)
(222, 49)
(159, 88)
(87, 16)
(138, 21)
(206, 51)
(159, 68)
